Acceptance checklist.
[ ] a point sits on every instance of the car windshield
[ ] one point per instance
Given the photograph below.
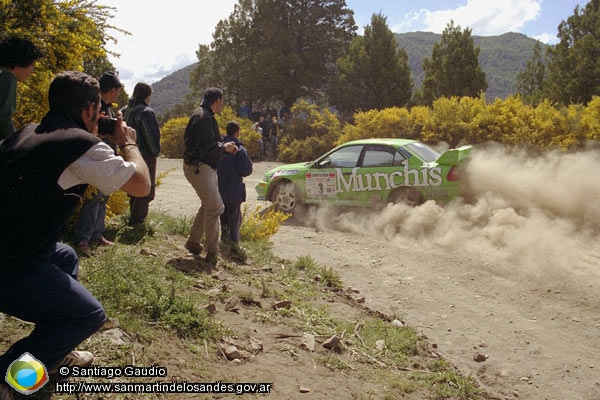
(424, 152)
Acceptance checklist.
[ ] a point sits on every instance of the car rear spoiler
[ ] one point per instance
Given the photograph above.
(454, 156)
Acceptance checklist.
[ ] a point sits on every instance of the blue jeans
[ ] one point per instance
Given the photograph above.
(90, 223)
(64, 312)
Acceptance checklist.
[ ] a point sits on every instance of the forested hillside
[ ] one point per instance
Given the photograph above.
(171, 89)
(502, 58)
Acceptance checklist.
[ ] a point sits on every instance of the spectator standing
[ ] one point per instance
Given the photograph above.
(203, 151)
(90, 224)
(274, 135)
(245, 110)
(17, 63)
(142, 118)
(38, 275)
(261, 144)
(231, 171)
(264, 130)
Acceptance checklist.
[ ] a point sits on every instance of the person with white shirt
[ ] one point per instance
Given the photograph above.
(44, 171)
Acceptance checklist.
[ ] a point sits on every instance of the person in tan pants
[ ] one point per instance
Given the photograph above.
(204, 148)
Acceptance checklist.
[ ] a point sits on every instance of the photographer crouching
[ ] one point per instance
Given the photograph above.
(44, 171)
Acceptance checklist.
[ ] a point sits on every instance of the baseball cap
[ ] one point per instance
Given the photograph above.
(109, 80)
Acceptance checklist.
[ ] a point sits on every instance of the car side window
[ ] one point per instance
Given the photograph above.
(346, 157)
(381, 156)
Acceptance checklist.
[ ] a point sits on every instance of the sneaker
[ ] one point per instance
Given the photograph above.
(6, 393)
(194, 248)
(79, 358)
(83, 250)
(105, 242)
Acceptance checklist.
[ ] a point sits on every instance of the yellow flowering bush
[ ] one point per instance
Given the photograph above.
(261, 224)
(117, 204)
(171, 137)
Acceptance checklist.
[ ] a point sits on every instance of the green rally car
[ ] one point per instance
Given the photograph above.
(369, 173)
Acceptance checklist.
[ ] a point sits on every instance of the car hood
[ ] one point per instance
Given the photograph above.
(287, 169)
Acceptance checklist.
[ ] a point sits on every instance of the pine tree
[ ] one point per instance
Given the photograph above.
(574, 67)
(530, 82)
(374, 74)
(453, 69)
(279, 50)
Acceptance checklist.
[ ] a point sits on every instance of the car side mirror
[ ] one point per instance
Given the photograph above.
(324, 163)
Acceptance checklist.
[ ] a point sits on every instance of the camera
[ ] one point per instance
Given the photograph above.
(107, 126)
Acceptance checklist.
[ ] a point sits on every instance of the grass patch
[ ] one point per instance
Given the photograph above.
(162, 308)
(142, 291)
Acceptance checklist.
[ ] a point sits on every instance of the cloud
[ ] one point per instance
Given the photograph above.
(548, 38)
(165, 39)
(484, 17)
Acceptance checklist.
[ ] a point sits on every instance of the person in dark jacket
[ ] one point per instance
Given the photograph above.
(44, 171)
(231, 171)
(203, 151)
(17, 62)
(142, 118)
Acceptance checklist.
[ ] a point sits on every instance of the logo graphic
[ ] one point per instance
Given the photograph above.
(26, 375)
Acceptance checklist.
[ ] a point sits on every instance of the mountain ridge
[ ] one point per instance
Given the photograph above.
(502, 58)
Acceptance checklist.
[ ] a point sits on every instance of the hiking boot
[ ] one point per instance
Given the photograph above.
(79, 358)
(238, 253)
(211, 258)
(6, 393)
(194, 248)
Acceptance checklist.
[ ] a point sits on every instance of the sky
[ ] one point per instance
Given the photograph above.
(165, 35)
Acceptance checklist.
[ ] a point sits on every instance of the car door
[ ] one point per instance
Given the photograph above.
(380, 171)
(330, 178)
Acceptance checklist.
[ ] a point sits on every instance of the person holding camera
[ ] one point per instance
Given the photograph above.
(143, 119)
(90, 224)
(44, 171)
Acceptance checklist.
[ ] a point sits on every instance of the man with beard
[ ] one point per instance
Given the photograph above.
(44, 171)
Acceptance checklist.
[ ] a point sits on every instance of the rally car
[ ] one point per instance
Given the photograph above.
(369, 172)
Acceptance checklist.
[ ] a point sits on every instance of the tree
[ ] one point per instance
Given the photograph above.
(279, 50)
(574, 66)
(374, 73)
(453, 69)
(73, 35)
(530, 82)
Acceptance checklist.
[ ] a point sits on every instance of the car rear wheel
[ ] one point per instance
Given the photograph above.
(285, 197)
(407, 196)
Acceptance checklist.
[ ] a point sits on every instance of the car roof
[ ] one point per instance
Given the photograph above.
(396, 142)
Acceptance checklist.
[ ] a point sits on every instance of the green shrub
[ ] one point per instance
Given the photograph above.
(311, 131)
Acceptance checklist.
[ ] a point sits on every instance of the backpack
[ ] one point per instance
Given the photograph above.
(133, 118)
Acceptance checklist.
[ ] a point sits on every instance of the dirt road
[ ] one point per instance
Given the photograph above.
(520, 288)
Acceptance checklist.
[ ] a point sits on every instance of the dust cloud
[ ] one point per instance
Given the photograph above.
(540, 213)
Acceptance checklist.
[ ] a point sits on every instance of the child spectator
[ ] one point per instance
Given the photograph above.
(231, 171)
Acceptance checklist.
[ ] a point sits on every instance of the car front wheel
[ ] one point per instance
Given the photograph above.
(285, 197)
